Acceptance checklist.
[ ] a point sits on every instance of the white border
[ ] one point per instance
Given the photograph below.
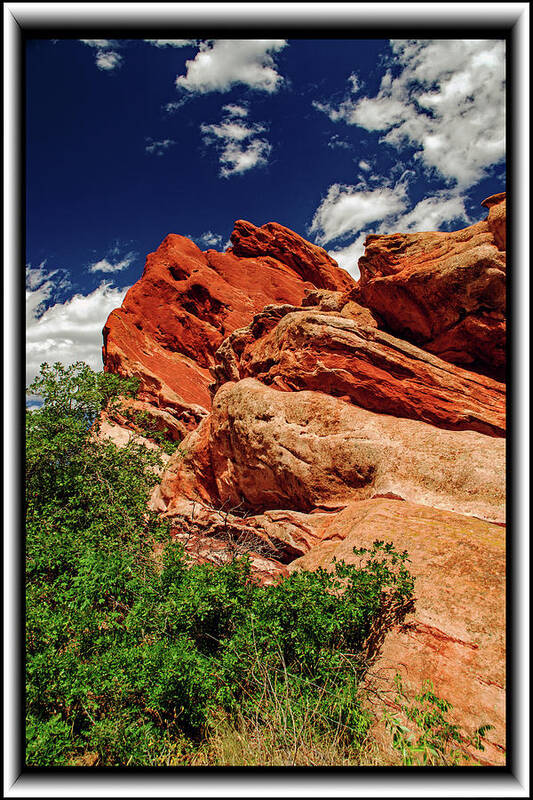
(301, 784)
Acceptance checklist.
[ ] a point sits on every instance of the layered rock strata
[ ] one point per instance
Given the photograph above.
(345, 358)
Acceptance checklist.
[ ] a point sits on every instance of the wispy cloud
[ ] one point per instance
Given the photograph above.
(158, 147)
(222, 63)
(174, 105)
(445, 98)
(113, 261)
(69, 331)
(238, 142)
(335, 141)
(236, 110)
(348, 257)
(170, 42)
(207, 239)
(107, 56)
(433, 213)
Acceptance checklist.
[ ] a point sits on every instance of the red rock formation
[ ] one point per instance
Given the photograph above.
(175, 317)
(312, 263)
(443, 291)
(293, 349)
(303, 450)
(323, 422)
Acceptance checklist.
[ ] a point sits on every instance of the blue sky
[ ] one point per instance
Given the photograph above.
(129, 140)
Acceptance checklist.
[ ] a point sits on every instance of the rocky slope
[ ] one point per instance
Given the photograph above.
(319, 414)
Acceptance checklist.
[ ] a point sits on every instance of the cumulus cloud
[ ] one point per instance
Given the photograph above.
(447, 101)
(69, 331)
(238, 142)
(222, 63)
(113, 262)
(158, 147)
(107, 56)
(350, 209)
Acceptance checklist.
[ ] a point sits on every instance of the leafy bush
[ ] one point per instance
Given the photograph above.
(134, 656)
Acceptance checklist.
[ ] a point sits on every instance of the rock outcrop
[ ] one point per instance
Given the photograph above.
(187, 301)
(346, 358)
(318, 415)
(443, 291)
(268, 449)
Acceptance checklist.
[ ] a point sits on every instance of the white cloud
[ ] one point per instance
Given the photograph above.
(432, 213)
(208, 239)
(350, 209)
(448, 101)
(336, 141)
(101, 44)
(69, 331)
(348, 257)
(235, 111)
(364, 165)
(236, 159)
(110, 263)
(172, 107)
(239, 144)
(107, 57)
(222, 63)
(171, 42)
(351, 213)
(356, 84)
(158, 147)
(234, 131)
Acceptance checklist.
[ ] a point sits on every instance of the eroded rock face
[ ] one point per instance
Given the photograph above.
(303, 450)
(497, 218)
(456, 635)
(342, 357)
(312, 263)
(187, 301)
(443, 291)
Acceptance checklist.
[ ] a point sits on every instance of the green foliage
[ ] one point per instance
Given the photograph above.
(132, 655)
(436, 741)
(151, 428)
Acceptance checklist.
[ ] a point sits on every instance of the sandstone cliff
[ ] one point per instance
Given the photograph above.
(318, 414)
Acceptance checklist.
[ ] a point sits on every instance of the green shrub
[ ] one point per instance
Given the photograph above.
(131, 658)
